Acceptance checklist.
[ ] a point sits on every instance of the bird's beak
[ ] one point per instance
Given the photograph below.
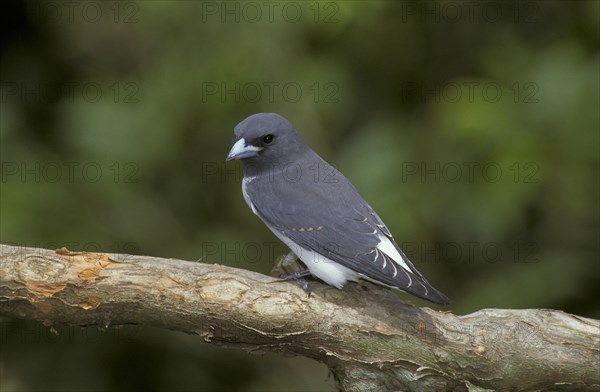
(240, 150)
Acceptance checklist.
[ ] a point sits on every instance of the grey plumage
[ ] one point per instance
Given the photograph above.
(317, 212)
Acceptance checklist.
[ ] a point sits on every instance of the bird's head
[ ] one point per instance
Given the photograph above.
(266, 138)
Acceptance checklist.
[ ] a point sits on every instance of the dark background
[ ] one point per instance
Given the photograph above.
(472, 128)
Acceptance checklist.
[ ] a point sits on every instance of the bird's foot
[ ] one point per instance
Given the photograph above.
(298, 278)
(288, 267)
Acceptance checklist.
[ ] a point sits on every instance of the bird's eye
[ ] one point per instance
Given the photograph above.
(268, 139)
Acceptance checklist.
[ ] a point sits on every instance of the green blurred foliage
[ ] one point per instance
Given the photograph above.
(473, 130)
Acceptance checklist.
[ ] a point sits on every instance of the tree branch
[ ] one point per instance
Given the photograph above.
(369, 338)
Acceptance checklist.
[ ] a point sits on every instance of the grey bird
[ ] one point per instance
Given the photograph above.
(317, 212)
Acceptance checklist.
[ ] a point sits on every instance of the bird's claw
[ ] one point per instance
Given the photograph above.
(298, 278)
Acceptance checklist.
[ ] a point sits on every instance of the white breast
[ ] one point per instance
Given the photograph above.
(245, 183)
(323, 268)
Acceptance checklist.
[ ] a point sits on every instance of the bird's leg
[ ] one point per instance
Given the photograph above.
(288, 268)
(289, 259)
(286, 264)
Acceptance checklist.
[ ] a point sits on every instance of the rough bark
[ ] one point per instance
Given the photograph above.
(369, 338)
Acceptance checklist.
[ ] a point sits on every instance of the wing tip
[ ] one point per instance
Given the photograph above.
(431, 294)
(438, 297)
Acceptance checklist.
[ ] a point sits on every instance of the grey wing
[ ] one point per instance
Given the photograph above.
(336, 222)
